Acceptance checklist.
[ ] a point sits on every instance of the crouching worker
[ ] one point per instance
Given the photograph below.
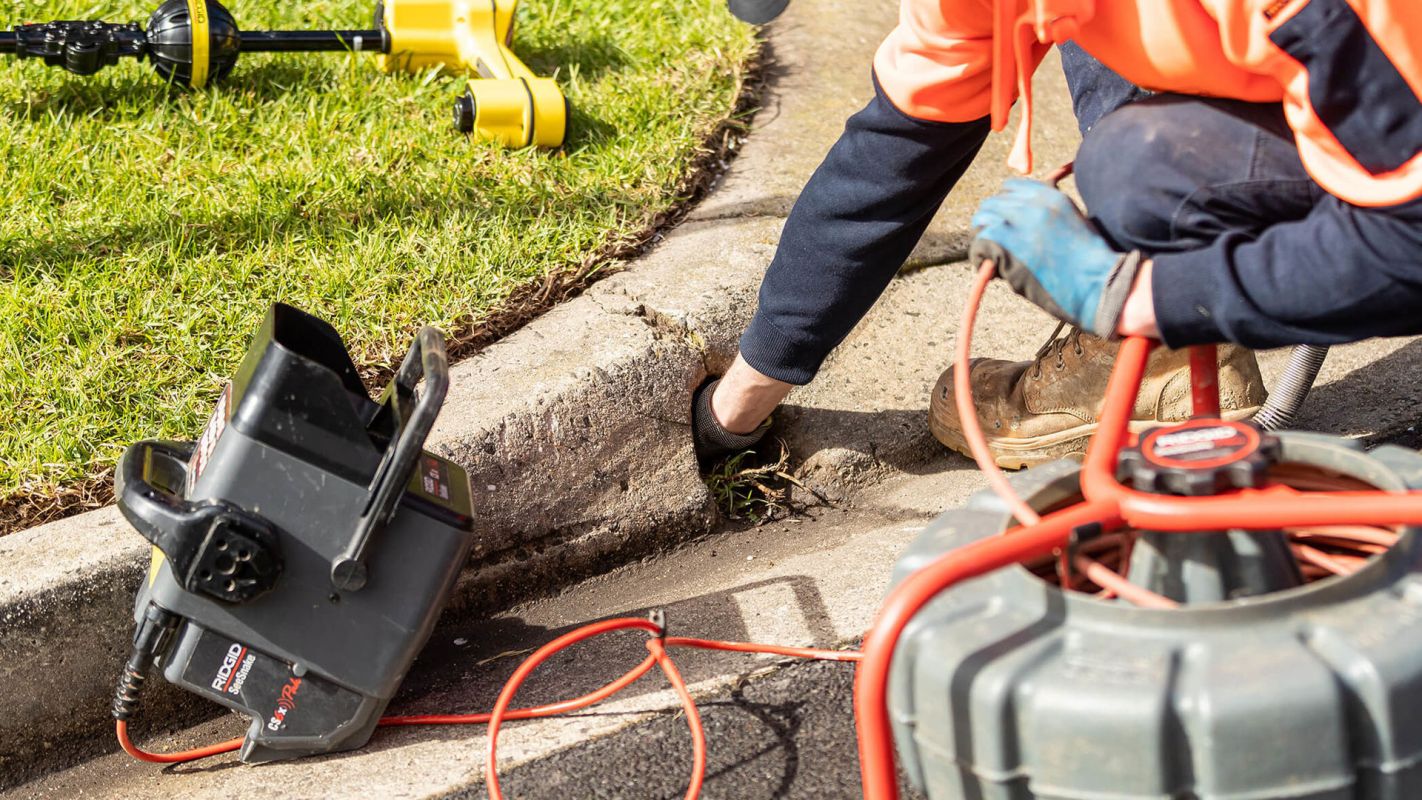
(1268, 194)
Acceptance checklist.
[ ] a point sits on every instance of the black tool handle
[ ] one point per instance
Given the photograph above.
(214, 546)
(372, 40)
(425, 359)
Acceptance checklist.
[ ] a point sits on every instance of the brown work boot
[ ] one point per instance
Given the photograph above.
(1047, 408)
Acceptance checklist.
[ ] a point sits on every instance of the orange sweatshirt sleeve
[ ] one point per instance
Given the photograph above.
(938, 63)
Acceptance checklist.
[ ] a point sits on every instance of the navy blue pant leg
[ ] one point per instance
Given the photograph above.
(1173, 172)
(1095, 90)
(1247, 247)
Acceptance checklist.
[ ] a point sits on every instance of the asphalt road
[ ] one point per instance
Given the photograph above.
(784, 735)
(781, 736)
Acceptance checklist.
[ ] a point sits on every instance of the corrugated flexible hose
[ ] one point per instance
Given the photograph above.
(1292, 388)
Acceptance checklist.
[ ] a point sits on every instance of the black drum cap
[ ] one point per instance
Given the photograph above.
(757, 12)
(170, 41)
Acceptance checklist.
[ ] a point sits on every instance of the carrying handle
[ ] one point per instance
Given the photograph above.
(214, 546)
(425, 359)
(148, 474)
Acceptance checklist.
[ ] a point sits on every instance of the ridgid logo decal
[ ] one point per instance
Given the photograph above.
(286, 704)
(236, 665)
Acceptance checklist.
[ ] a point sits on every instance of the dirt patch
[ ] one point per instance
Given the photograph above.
(28, 509)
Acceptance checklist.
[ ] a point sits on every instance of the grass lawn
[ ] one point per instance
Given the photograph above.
(143, 236)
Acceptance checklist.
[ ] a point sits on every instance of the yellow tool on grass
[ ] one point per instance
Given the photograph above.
(193, 42)
(506, 102)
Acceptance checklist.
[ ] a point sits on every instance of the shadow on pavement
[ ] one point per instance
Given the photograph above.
(1380, 396)
(466, 663)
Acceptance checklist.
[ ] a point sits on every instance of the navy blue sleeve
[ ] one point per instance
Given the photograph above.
(851, 229)
(1340, 274)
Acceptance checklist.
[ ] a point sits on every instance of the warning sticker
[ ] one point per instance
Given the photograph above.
(434, 477)
(206, 443)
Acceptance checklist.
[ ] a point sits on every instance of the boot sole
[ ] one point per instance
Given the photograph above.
(1021, 453)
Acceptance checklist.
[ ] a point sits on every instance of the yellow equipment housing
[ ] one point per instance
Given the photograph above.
(506, 102)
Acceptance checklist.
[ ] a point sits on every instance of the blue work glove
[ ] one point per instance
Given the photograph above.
(1048, 252)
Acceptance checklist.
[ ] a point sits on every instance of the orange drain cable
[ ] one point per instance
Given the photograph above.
(502, 713)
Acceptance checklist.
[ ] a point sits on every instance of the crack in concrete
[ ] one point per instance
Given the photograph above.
(918, 264)
(666, 326)
(735, 216)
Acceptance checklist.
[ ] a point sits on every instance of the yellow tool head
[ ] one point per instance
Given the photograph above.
(506, 102)
(515, 113)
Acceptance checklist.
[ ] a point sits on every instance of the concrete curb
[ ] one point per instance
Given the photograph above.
(575, 432)
(574, 429)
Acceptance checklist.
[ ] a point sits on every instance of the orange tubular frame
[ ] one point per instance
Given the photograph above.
(1111, 505)
(1267, 508)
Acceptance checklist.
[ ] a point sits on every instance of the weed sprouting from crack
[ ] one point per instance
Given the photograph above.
(758, 492)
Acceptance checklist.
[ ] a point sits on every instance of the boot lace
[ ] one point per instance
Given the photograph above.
(1055, 347)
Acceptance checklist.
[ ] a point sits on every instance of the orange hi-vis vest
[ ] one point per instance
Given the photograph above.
(1348, 72)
